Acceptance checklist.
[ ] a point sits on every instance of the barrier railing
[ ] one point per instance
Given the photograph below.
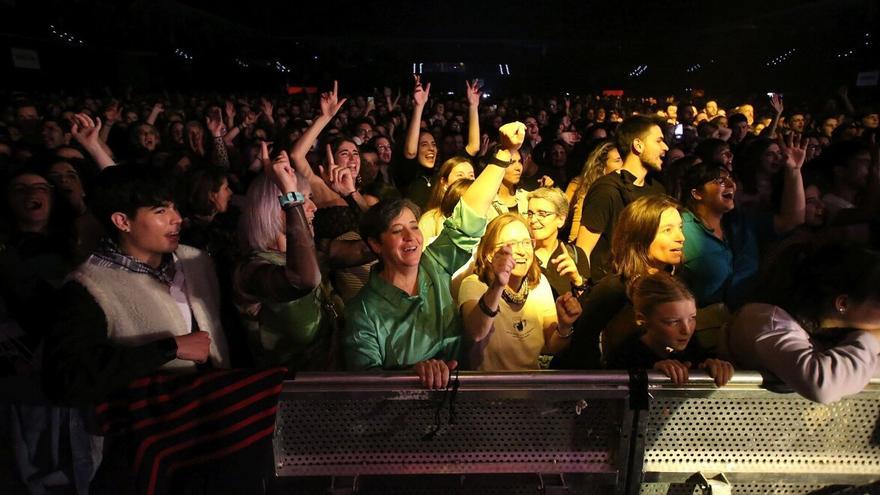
(762, 441)
(555, 432)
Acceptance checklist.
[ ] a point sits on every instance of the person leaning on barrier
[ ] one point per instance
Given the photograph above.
(405, 316)
(507, 306)
(666, 312)
(648, 239)
(815, 321)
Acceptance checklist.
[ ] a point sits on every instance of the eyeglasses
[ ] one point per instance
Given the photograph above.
(542, 215)
(523, 244)
(723, 180)
(22, 189)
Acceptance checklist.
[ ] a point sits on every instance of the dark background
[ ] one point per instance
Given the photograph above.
(548, 47)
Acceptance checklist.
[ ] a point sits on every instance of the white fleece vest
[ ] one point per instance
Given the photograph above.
(139, 309)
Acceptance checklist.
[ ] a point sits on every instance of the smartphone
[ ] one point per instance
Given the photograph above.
(770, 95)
(370, 99)
(678, 132)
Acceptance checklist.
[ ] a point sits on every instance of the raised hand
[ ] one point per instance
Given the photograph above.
(721, 371)
(230, 113)
(512, 135)
(776, 103)
(674, 369)
(420, 94)
(338, 178)
(214, 121)
(502, 265)
(566, 267)
(86, 131)
(473, 93)
(568, 310)
(330, 102)
(485, 144)
(279, 170)
(795, 150)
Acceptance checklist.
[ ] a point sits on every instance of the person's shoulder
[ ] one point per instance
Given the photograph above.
(185, 252)
(762, 314)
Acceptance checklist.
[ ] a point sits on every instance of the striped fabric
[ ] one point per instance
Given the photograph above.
(179, 422)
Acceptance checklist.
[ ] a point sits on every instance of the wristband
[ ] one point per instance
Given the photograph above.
(485, 309)
(501, 163)
(566, 336)
(291, 199)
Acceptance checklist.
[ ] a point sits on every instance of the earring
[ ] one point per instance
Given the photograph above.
(842, 310)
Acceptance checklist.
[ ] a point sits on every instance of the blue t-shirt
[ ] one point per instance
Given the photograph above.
(724, 270)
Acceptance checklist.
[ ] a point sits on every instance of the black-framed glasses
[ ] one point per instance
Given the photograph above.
(723, 180)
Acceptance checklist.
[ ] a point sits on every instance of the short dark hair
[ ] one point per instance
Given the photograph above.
(125, 188)
(632, 128)
(378, 218)
(697, 176)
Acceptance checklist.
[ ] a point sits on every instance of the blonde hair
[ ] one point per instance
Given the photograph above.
(483, 263)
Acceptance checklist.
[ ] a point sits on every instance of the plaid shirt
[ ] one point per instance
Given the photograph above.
(108, 255)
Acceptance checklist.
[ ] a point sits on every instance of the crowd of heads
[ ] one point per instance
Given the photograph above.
(178, 161)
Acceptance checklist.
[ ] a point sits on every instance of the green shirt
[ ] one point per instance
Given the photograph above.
(386, 328)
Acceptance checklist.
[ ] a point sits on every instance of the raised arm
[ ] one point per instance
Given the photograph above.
(480, 194)
(473, 96)
(158, 108)
(300, 274)
(420, 98)
(330, 104)
(87, 133)
(776, 103)
(793, 207)
(479, 314)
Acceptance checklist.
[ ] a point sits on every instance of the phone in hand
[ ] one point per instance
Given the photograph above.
(678, 132)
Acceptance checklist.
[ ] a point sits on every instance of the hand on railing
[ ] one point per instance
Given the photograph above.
(434, 373)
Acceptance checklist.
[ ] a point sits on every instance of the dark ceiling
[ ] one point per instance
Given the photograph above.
(545, 44)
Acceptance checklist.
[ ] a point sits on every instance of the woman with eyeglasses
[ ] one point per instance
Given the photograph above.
(724, 244)
(566, 267)
(508, 306)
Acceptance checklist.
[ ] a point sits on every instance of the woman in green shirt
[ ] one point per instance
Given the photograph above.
(405, 317)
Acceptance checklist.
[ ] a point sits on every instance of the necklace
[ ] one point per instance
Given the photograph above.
(519, 297)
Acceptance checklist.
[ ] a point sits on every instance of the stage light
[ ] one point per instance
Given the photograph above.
(183, 54)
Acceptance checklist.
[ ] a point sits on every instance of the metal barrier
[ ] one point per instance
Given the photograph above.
(559, 430)
(553, 432)
(762, 441)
